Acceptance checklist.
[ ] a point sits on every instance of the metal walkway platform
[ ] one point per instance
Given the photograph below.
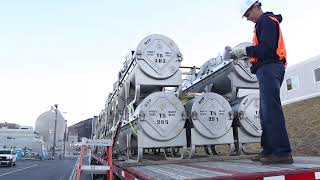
(242, 167)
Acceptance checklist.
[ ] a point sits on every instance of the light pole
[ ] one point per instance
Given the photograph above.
(55, 130)
(50, 140)
(65, 137)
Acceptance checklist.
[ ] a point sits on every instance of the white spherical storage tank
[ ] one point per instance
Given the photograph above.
(45, 124)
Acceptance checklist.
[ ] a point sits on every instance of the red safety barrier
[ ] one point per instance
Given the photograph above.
(108, 151)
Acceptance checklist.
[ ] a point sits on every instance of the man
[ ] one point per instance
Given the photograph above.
(268, 59)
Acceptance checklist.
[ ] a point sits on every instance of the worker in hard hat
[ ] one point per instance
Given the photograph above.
(268, 59)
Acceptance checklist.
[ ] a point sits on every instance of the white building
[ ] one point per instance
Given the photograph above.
(21, 138)
(302, 81)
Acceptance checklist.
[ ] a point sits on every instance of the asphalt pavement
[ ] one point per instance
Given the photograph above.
(60, 169)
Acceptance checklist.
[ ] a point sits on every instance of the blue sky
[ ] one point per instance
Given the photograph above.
(69, 52)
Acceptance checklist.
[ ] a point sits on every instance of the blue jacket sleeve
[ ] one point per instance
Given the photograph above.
(267, 33)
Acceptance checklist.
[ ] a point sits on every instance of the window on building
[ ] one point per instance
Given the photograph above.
(292, 83)
(317, 74)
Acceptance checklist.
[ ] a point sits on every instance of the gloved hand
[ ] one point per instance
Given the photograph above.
(239, 51)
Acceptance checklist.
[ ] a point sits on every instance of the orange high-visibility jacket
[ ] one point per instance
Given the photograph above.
(281, 50)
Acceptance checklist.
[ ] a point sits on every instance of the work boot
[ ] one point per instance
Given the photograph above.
(259, 156)
(277, 160)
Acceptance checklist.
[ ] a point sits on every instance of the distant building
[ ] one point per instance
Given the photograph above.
(24, 138)
(302, 81)
(10, 125)
(26, 127)
(81, 129)
(75, 133)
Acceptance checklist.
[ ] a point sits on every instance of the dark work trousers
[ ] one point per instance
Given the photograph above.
(274, 139)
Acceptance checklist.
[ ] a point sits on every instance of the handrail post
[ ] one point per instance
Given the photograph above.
(80, 162)
(109, 160)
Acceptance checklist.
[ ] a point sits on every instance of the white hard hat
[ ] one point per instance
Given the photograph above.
(245, 5)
